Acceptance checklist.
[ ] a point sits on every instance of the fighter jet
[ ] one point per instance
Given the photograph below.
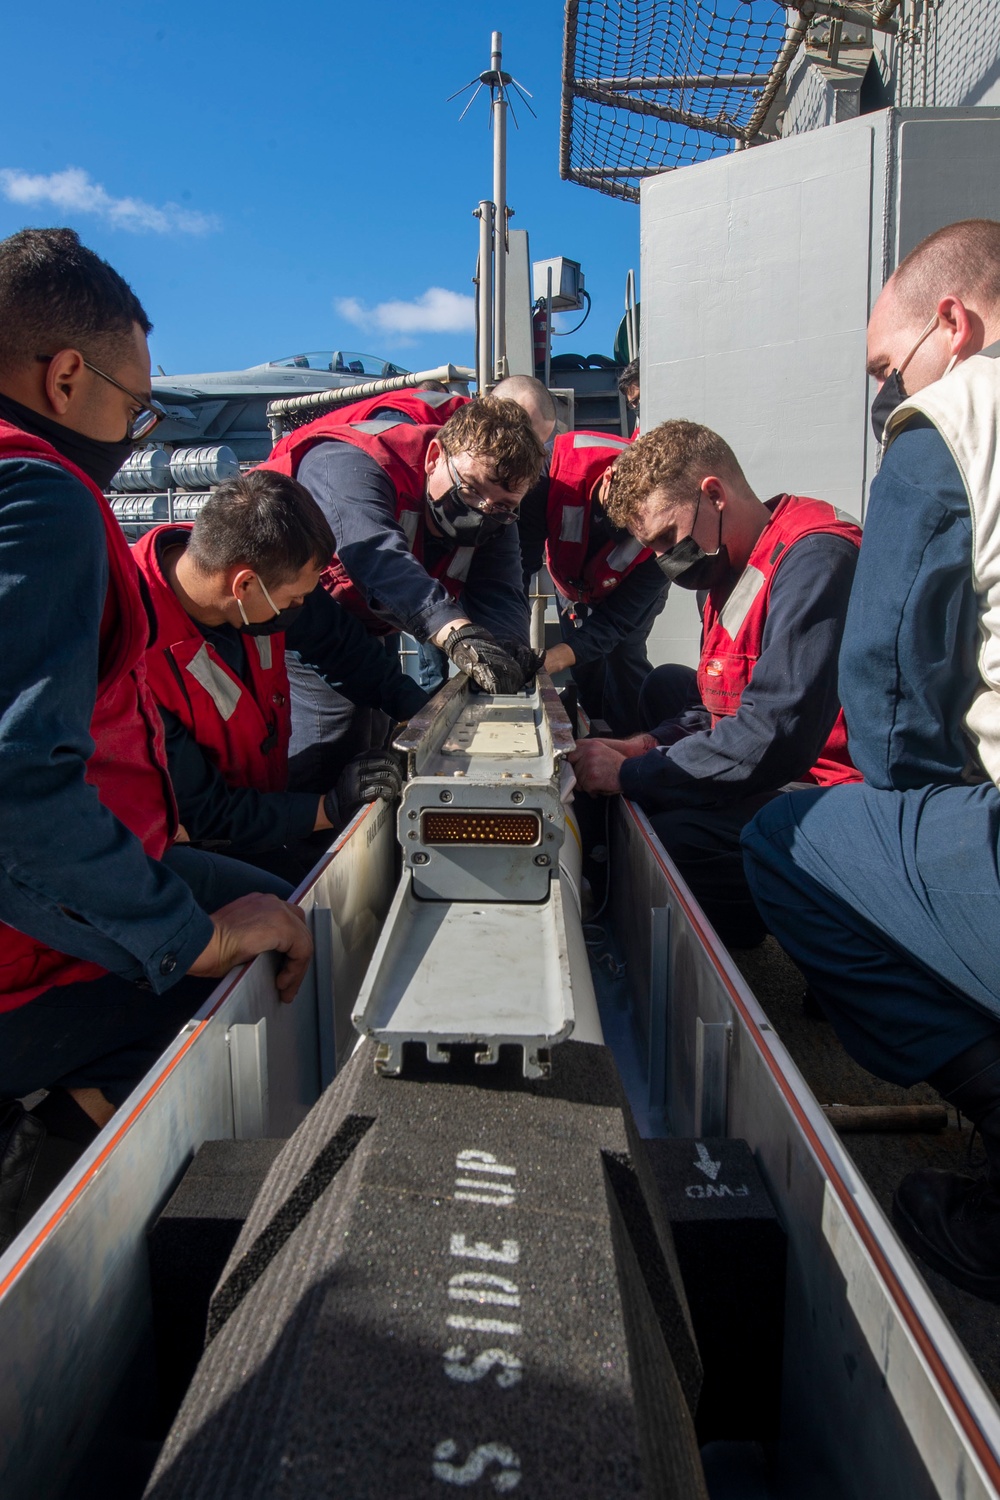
(229, 406)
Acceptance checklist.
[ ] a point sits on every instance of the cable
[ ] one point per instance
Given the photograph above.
(607, 877)
(565, 333)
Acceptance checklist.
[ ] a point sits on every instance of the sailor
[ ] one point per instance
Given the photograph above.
(609, 588)
(224, 591)
(424, 519)
(762, 709)
(536, 399)
(887, 894)
(106, 937)
(628, 385)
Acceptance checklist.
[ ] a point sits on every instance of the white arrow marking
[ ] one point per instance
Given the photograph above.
(705, 1163)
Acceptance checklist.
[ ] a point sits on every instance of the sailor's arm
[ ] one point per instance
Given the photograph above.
(908, 666)
(359, 501)
(336, 645)
(210, 809)
(494, 594)
(610, 620)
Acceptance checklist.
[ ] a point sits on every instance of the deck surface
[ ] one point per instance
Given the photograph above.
(835, 1078)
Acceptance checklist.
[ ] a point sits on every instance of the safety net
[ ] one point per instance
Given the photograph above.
(654, 84)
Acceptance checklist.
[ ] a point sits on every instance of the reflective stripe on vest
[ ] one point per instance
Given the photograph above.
(410, 522)
(571, 526)
(622, 556)
(461, 562)
(597, 440)
(739, 603)
(376, 425)
(218, 684)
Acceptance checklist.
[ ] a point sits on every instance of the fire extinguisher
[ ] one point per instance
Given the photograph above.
(539, 332)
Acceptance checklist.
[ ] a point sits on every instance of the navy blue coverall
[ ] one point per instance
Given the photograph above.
(886, 893)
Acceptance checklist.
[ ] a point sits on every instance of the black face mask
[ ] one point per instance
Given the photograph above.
(468, 527)
(885, 403)
(691, 567)
(275, 624)
(100, 461)
(280, 620)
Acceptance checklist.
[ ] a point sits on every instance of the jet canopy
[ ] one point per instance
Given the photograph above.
(341, 362)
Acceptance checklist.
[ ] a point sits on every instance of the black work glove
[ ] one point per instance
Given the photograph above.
(374, 774)
(529, 661)
(490, 665)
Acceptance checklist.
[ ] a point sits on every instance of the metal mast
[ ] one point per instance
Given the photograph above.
(498, 119)
(491, 275)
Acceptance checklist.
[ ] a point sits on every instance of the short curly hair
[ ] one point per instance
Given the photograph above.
(499, 430)
(674, 457)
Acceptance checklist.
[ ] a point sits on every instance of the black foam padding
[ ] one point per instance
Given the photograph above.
(731, 1249)
(433, 1319)
(189, 1245)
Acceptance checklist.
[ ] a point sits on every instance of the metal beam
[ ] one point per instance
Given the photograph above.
(878, 16)
(676, 81)
(719, 125)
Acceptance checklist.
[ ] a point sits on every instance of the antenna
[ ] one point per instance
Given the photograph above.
(493, 216)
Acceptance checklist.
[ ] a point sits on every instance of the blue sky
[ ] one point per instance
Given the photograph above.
(268, 177)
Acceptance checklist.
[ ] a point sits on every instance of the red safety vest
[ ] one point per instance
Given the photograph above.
(244, 728)
(127, 767)
(399, 448)
(426, 408)
(579, 461)
(734, 624)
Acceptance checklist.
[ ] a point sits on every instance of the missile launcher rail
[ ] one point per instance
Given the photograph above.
(878, 1395)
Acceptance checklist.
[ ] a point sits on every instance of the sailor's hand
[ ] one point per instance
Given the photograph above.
(558, 658)
(528, 660)
(258, 924)
(636, 744)
(374, 774)
(597, 767)
(475, 652)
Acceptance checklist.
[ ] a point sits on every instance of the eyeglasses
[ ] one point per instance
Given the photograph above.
(505, 514)
(150, 412)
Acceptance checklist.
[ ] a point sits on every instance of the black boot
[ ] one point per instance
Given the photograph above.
(21, 1137)
(952, 1219)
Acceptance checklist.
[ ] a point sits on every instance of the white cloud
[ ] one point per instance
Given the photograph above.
(73, 191)
(434, 311)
